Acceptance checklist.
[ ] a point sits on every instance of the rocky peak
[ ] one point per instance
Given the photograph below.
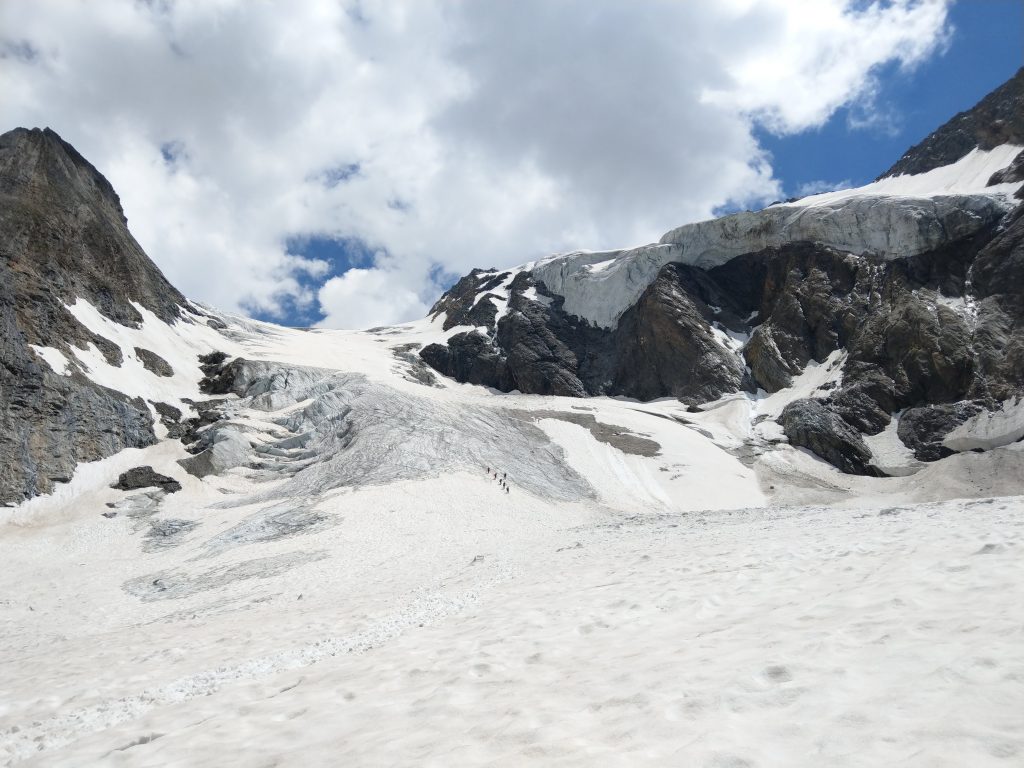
(65, 234)
(995, 120)
(39, 162)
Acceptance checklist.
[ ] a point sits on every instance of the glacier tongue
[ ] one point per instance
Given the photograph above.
(347, 430)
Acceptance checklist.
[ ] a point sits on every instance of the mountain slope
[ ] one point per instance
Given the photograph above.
(884, 274)
(996, 120)
(321, 551)
(63, 235)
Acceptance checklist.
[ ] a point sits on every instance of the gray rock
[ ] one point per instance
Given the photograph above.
(923, 429)
(153, 363)
(226, 448)
(145, 477)
(463, 303)
(471, 358)
(811, 424)
(665, 345)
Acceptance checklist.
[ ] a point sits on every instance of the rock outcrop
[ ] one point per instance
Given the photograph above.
(811, 424)
(146, 477)
(63, 236)
(667, 344)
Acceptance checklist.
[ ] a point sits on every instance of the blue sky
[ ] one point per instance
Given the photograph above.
(986, 49)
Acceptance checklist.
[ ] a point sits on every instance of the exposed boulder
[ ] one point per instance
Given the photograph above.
(866, 398)
(924, 429)
(145, 477)
(811, 424)
(153, 363)
(471, 358)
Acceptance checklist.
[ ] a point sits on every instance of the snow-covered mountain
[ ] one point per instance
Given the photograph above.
(913, 281)
(576, 516)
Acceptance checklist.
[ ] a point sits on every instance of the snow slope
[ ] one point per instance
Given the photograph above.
(360, 590)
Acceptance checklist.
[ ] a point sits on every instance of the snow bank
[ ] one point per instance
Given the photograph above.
(54, 358)
(889, 453)
(989, 429)
(459, 636)
(967, 176)
(178, 344)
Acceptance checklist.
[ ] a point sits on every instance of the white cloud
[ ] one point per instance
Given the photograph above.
(365, 298)
(451, 134)
(818, 186)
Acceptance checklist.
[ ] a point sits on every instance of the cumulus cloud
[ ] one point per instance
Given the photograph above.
(440, 135)
(364, 298)
(818, 186)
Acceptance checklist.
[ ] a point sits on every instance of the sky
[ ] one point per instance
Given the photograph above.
(339, 163)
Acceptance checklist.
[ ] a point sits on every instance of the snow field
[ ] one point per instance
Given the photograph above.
(390, 609)
(862, 637)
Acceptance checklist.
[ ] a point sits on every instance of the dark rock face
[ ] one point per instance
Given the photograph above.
(812, 425)
(922, 429)
(663, 346)
(63, 235)
(809, 299)
(218, 373)
(997, 283)
(667, 347)
(153, 363)
(461, 303)
(145, 477)
(49, 423)
(539, 354)
(996, 119)
(934, 329)
(470, 358)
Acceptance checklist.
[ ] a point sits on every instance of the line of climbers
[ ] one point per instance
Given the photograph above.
(501, 477)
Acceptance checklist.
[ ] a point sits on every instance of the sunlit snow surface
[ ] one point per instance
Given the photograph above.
(653, 589)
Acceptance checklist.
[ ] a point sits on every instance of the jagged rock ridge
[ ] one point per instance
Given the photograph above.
(995, 120)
